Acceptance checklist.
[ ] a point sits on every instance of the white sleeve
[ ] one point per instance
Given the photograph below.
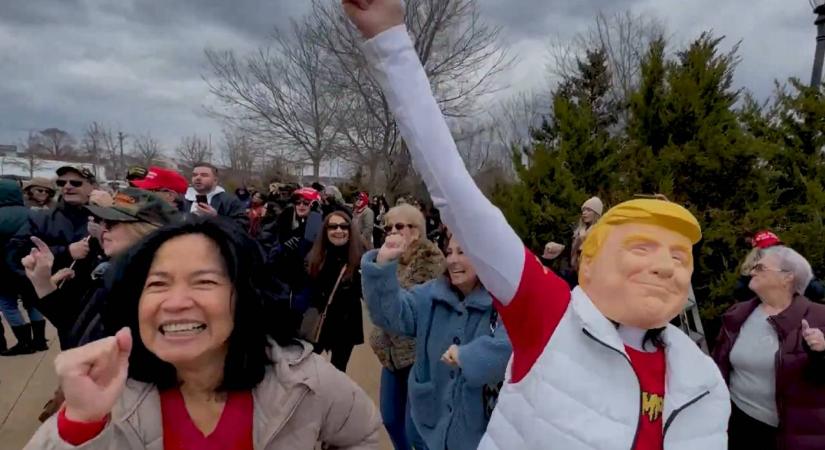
(485, 236)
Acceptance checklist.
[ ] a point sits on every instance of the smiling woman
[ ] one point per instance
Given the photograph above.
(209, 355)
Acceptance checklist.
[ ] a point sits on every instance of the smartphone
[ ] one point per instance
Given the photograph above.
(201, 199)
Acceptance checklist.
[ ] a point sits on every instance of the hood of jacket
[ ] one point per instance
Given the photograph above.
(10, 193)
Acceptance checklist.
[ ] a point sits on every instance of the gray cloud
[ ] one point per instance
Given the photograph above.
(137, 64)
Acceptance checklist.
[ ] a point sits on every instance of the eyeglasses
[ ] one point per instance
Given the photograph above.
(73, 183)
(338, 226)
(398, 227)
(761, 268)
(40, 191)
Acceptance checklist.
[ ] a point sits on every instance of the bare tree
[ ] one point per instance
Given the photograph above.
(240, 153)
(146, 149)
(278, 94)
(624, 37)
(56, 143)
(93, 145)
(193, 150)
(462, 55)
(32, 159)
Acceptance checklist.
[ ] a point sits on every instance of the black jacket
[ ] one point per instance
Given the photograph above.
(58, 228)
(227, 205)
(13, 216)
(343, 325)
(76, 310)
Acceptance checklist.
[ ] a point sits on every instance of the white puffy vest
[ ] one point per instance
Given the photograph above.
(582, 393)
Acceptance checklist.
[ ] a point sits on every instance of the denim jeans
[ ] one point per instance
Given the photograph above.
(395, 410)
(9, 308)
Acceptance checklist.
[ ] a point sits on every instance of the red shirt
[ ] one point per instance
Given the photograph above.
(233, 432)
(538, 307)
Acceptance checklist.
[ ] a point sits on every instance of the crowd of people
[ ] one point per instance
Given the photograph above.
(192, 317)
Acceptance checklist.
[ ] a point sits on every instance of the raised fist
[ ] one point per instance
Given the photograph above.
(394, 246)
(93, 376)
(372, 17)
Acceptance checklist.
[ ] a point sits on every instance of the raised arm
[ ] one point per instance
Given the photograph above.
(495, 249)
(389, 306)
(532, 301)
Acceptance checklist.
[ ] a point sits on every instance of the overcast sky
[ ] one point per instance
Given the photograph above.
(137, 64)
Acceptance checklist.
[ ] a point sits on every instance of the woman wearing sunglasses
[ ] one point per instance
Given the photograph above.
(334, 264)
(39, 193)
(461, 348)
(771, 351)
(421, 261)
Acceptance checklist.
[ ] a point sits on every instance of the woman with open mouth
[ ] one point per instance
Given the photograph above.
(204, 358)
(461, 348)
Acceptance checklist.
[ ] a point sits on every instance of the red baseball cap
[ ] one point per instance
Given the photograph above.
(308, 194)
(159, 178)
(765, 239)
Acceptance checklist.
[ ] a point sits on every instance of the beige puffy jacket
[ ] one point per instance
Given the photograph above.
(302, 401)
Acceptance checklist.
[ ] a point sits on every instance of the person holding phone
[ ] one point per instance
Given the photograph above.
(207, 198)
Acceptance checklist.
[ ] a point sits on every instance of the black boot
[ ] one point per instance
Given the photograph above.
(23, 333)
(39, 343)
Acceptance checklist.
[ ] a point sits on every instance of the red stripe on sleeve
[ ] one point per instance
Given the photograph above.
(534, 313)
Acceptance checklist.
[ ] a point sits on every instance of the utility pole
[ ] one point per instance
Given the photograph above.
(819, 56)
(121, 136)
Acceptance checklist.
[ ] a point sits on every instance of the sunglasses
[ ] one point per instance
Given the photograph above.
(73, 183)
(338, 226)
(398, 227)
(303, 203)
(40, 191)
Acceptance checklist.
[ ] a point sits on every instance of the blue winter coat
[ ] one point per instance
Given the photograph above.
(447, 403)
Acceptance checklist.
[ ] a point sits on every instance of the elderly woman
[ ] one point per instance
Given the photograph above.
(192, 365)
(461, 349)
(421, 261)
(771, 351)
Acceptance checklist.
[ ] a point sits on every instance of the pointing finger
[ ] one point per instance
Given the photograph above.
(40, 244)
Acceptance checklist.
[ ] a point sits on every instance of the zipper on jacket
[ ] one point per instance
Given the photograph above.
(777, 371)
(639, 410)
(288, 417)
(680, 409)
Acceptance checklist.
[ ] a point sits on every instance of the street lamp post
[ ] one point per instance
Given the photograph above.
(819, 10)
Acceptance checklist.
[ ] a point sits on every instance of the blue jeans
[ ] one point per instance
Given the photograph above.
(8, 306)
(395, 410)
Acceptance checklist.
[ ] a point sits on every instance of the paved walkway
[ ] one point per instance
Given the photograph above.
(27, 383)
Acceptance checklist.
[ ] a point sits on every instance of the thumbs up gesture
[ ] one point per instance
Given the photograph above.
(813, 337)
(93, 376)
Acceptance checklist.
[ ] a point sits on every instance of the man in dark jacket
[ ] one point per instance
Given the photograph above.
(217, 201)
(64, 229)
(13, 215)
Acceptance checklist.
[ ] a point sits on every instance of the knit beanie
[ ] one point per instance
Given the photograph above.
(595, 204)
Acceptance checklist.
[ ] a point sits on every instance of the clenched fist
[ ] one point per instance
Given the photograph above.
(394, 246)
(93, 376)
(372, 17)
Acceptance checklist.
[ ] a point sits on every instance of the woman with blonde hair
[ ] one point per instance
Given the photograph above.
(421, 261)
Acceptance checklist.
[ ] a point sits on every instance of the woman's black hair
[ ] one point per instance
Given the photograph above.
(259, 311)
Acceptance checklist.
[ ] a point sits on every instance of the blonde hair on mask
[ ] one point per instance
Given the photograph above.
(665, 214)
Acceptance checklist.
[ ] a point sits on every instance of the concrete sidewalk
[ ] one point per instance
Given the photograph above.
(28, 382)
